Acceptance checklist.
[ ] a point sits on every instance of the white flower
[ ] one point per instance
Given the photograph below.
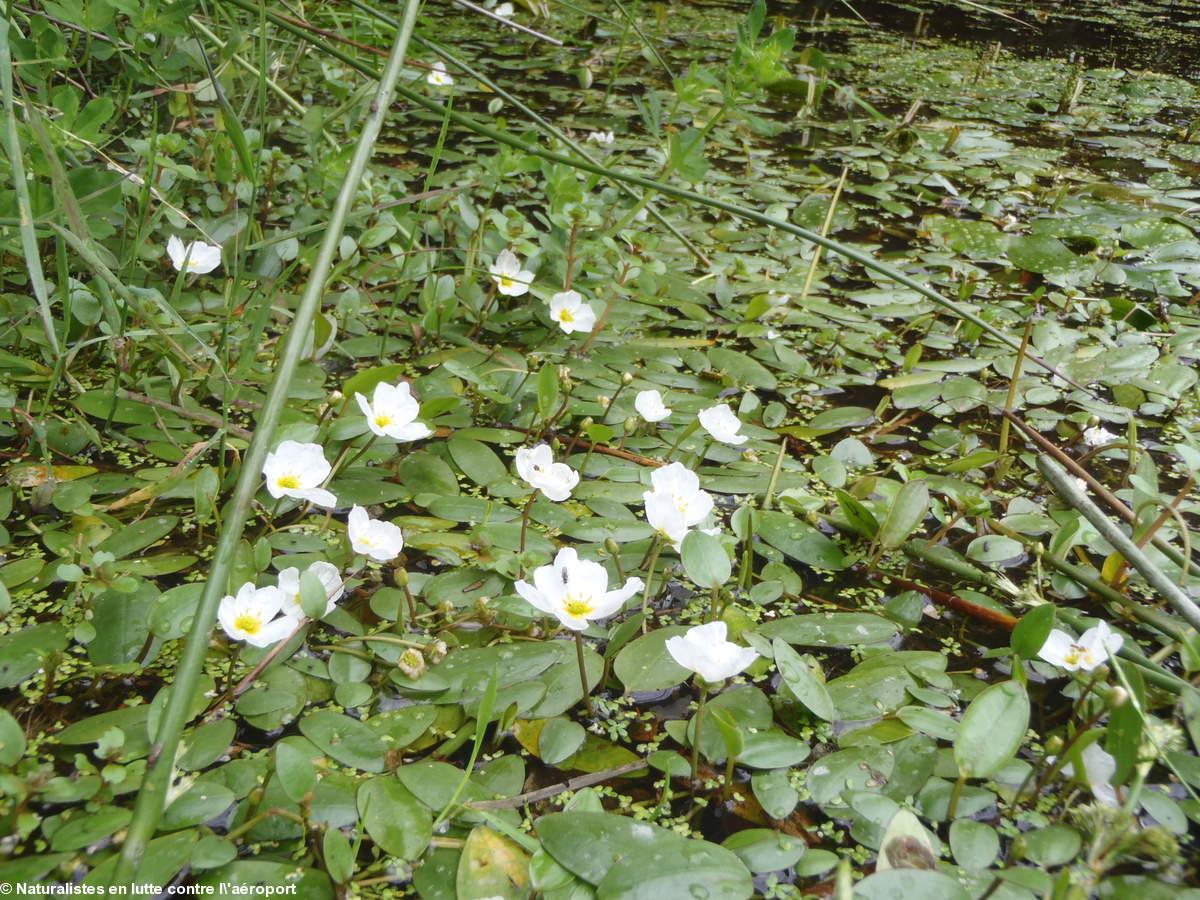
(298, 470)
(251, 616)
(289, 583)
(197, 257)
(571, 313)
(1093, 648)
(677, 503)
(438, 76)
(1099, 766)
(511, 280)
(575, 590)
(704, 650)
(504, 10)
(650, 406)
(539, 470)
(721, 422)
(1097, 436)
(392, 412)
(601, 137)
(382, 541)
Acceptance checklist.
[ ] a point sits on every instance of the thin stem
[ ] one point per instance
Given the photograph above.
(253, 674)
(1013, 382)
(583, 679)
(699, 720)
(714, 609)
(524, 531)
(152, 796)
(955, 796)
(646, 592)
(339, 465)
(769, 497)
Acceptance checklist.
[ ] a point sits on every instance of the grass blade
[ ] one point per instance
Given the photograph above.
(33, 259)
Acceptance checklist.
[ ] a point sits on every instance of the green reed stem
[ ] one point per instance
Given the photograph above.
(33, 259)
(152, 797)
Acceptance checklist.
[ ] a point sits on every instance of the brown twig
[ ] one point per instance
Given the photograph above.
(952, 601)
(554, 790)
(194, 414)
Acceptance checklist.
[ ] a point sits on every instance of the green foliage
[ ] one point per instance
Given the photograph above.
(428, 733)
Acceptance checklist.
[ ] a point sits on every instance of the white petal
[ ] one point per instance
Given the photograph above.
(316, 496)
(1056, 648)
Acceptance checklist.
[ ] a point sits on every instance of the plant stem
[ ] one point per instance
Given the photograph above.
(955, 795)
(654, 552)
(524, 531)
(152, 796)
(29, 245)
(583, 679)
(1013, 381)
(696, 734)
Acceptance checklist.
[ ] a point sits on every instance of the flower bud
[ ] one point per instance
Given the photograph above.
(626, 377)
(1054, 745)
(1118, 697)
(604, 400)
(435, 651)
(631, 425)
(613, 548)
(401, 576)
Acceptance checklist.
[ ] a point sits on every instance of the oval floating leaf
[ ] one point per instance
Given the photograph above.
(992, 729)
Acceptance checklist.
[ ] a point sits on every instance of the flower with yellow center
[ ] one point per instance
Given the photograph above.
(511, 280)
(571, 313)
(438, 76)
(381, 541)
(196, 257)
(392, 412)
(575, 591)
(677, 504)
(1092, 648)
(298, 470)
(252, 615)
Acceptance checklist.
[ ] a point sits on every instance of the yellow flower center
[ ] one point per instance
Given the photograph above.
(577, 609)
(565, 315)
(288, 482)
(506, 282)
(248, 622)
(383, 421)
(1075, 654)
